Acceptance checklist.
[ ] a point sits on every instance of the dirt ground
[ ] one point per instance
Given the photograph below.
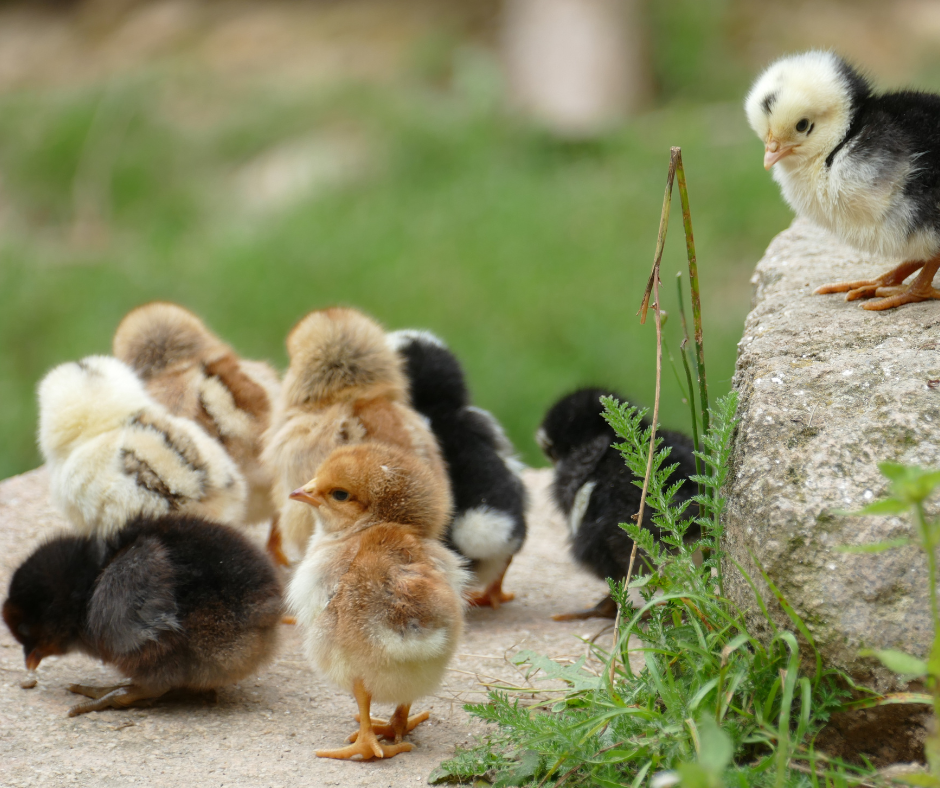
(263, 732)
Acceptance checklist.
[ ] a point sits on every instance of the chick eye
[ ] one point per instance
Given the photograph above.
(803, 125)
(340, 495)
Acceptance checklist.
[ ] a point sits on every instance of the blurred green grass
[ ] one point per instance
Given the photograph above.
(526, 254)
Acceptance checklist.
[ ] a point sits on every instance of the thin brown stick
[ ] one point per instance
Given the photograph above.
(652, 286)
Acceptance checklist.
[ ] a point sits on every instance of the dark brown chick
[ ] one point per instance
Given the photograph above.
(194, 374)
(377, 596)
(171, 602)
(345, 385)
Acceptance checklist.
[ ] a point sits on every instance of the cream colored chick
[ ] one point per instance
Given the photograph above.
(345, 385)
(377, 595)
(865, 166)
(114, 453)
(196, 375)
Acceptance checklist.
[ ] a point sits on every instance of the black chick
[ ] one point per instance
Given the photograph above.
(488, 526)
(594, 488)
(171, 602)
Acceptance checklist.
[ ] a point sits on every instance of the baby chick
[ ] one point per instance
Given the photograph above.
(863, 165)
(377, 594)
(594, 488)
(344, 386)
(171, 602)
(488, 526)
(114, 453)
(194, 374)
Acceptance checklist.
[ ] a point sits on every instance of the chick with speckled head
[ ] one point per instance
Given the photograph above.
(377, 596)
(197, 376)
(344, 386)
(863, 165)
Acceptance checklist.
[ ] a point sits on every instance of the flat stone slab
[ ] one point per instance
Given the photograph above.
(828, 390)
(264, 731)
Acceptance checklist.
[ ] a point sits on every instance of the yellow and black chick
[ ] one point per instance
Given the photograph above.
(344, 385)
(377, 595)
(172, 602)
(196, 375)
(595, 489)
(488, 526)
(865, 166)
(114, 452)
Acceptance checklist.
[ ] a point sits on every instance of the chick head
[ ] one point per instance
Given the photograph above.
(801, 106)
(341, 353)
(160, 334)
(82, 399)
(46, 605)
(370, 483)
(571, 422)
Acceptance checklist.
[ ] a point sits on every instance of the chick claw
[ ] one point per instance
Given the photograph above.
(120, 697)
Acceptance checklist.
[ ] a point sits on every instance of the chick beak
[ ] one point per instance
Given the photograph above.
(774, 151)
(305, 495)
(34, 658)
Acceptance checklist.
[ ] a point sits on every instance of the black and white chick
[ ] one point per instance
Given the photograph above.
(594, 488)
(172, 602)
(864, 165)
(488, 526)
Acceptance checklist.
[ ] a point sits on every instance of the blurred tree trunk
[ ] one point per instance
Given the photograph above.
(578, 67)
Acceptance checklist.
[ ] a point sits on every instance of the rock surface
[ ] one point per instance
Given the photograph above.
(828, 390)
(263, 732)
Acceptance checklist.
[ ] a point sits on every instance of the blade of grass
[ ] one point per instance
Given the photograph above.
(694, 285)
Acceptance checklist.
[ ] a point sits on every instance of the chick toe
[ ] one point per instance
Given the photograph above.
(606, 608)
(867, 288)
(93, 692)
(493, 596)
(367, 748)
(120, 697)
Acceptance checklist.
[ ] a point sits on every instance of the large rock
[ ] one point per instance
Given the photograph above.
(827, 391)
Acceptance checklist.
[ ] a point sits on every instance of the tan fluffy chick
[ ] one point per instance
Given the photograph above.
(196, 375)
(377, 595)
(114, 452)
(344, 385)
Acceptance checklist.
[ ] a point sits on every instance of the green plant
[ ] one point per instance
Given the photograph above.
(910, 488)
(704, 703)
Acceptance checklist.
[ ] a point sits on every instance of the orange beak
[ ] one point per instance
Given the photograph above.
(302, 494)
(34, 658)
(774, 151)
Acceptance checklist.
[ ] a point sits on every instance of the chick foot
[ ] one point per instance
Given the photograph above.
(867, 288)
(606, 608)
(366, 744)
(493, 596)
(119, 697)
(396, 727)
(921, 289)
(367, 747)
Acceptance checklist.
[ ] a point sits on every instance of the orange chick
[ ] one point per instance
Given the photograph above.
(344, 385)
(377, 595)
(194, 374)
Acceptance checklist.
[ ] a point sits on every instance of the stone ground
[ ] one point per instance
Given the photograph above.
(263, 732)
